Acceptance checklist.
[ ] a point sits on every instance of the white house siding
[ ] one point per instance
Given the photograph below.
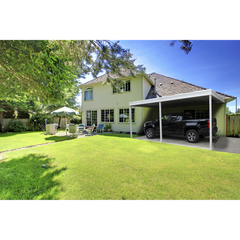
(103, 98)
(146, 87)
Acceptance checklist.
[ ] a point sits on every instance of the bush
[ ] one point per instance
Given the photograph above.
(17, 126)
(108, 127)
(38, 120)
(75, 120)
(30, 128)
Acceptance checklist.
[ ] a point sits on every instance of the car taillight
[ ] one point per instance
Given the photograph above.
(208, 124)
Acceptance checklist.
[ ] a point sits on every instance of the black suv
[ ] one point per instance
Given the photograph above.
(181, 124)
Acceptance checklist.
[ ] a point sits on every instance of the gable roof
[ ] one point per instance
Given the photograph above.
(166, 86)
(125, 72)
(169, 86)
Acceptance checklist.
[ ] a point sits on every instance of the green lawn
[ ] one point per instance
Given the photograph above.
(116, 167)
(12, 140)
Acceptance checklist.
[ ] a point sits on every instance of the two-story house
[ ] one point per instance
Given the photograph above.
(104, 104)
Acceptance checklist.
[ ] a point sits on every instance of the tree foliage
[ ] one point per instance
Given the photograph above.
(186, 45)
(49, 70)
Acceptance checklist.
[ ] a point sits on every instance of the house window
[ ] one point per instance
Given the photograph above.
(91, 117)
(107, 115)
(88, 94)
(196, 114)
(125, 87)
(124, 115)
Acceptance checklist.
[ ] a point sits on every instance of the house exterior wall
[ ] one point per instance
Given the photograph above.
(104, 98)
(219, 112)
(146, 87)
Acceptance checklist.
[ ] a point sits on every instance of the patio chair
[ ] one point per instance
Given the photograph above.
(81, 127)
(56, 127)
(100, 128)
(90, 130)
(72, 130)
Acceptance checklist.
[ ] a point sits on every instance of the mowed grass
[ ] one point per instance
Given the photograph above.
(12, 140)
(117, 167)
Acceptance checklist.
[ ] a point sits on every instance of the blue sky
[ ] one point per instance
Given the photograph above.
(213, 64)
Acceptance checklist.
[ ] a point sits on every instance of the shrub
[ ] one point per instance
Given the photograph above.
(75, 120)
(17, 126)
(108, 127)
(38, 120)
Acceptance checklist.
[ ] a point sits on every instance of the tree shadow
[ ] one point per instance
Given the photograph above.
(24, 178)
(118, 135)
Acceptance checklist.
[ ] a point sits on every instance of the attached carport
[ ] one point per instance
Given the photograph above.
(204, 97)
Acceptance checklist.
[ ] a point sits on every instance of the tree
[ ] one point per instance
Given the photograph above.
(186, 45)
(228, 111)
(46, 70)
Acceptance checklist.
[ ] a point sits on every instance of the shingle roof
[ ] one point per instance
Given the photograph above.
(125, 72)
(166, 86)
(169, 86)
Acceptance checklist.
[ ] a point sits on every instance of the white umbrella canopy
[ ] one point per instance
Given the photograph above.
(65, 111)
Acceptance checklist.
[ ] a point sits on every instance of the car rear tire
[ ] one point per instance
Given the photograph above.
(150, 133)
(192, 136)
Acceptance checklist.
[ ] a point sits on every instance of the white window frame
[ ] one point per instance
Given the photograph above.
(104, 114)
(125, 112)
(123, 88)
(87, 90)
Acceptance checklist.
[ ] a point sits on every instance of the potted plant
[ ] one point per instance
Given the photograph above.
(108, 127)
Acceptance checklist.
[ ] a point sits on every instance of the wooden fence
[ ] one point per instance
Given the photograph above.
(233, 125)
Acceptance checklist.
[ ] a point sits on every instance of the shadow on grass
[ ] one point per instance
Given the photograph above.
(23, 178)
(57, 138)
(119, 135)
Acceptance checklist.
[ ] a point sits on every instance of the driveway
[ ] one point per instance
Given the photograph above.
(222, 144)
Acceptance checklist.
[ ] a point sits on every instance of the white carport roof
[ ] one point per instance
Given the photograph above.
(186, 99)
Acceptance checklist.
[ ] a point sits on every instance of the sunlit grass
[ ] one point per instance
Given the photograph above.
(13, 140)
(111, 167)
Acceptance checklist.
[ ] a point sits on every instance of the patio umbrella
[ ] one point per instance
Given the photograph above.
(64, 111)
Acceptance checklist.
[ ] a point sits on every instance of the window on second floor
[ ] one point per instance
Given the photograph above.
(125, 87)
(88, 94)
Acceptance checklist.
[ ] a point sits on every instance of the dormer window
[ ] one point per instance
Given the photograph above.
(88, 94)
(125, 87)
